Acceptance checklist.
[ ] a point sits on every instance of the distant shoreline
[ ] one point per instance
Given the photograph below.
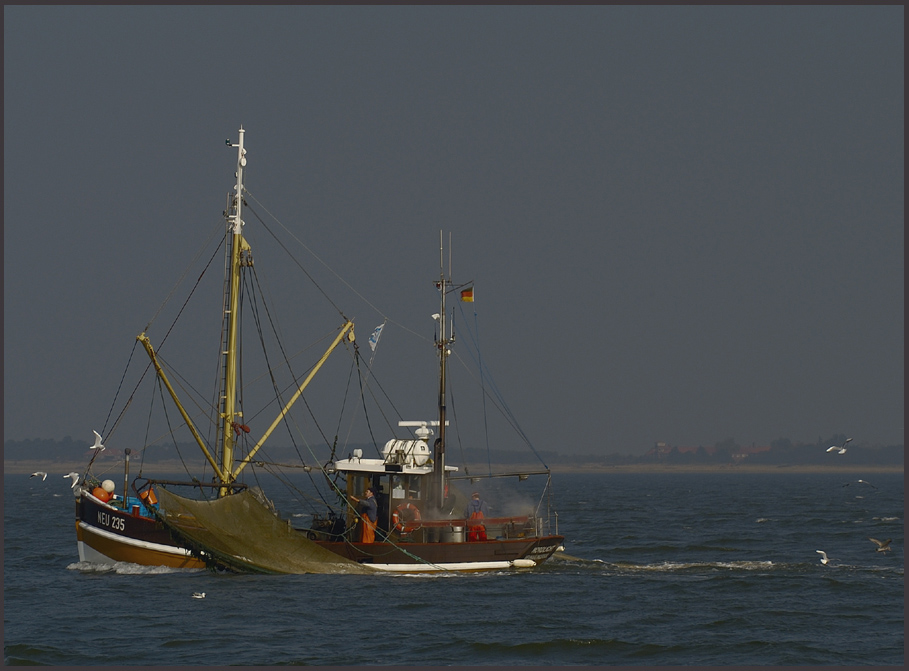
(168, 467)
(729, 468)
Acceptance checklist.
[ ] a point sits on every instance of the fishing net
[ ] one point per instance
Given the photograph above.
(244, 533)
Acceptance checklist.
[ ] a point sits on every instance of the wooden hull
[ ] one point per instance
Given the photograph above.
(107, 535)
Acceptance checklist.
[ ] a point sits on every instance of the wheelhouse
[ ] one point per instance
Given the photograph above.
(403, 480)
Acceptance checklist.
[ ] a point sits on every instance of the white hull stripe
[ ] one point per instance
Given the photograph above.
(457, 566)
(144, 545)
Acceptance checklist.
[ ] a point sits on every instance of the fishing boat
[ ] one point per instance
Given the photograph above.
(406, 509)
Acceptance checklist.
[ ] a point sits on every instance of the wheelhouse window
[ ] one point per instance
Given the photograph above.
(406, 487)
(357, 484)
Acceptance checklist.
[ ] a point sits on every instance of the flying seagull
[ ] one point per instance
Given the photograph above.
(864, 482)
(39, 474)
(97, 445)
(823, 554)
(198, 595)
(75, 477)
(881, 546)
(841, 448)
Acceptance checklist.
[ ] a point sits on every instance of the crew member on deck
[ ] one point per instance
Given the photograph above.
(475, 513)
(369, 514)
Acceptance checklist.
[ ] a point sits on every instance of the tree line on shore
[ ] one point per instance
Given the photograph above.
(782, 451)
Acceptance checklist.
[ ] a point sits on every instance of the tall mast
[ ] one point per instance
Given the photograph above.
(442, 345)
(232, 305)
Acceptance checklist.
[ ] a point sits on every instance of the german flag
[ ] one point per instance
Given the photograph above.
(467, 295)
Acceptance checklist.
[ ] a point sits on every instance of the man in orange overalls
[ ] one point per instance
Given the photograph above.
(476, 512)
(369, 514)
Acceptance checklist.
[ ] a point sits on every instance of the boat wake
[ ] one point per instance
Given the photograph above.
(684, 566)
(561, 562)
(562, 559)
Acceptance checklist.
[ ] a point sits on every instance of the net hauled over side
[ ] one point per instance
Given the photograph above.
(242, 533)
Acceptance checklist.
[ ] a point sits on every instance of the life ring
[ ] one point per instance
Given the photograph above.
(399, 519)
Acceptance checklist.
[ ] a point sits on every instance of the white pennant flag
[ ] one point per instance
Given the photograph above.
(374, 338)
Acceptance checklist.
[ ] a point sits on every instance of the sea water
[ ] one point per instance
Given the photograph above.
(658, 569)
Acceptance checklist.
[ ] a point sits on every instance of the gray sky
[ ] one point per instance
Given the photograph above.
(684, 223)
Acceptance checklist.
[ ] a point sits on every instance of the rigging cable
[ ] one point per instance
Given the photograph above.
(148, 421)
(149, 366)
(268, 366)
(292, 257)
(364, 384)
(482, 387)
(501, 405)
(329, 268)
(117, 394)
(176, 446)
(270, 371)
(363, 399)
(219, 228)
(350, 372)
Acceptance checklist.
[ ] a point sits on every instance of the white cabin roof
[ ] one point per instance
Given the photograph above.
(362, 465)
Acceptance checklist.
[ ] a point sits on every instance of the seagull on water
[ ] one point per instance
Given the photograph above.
(198, 595)
(39, 474)
(97, 446)
(841, 448)
(823, 554)
(881, 546)
(75, 477)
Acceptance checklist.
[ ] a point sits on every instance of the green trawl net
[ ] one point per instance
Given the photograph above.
(243, 533)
